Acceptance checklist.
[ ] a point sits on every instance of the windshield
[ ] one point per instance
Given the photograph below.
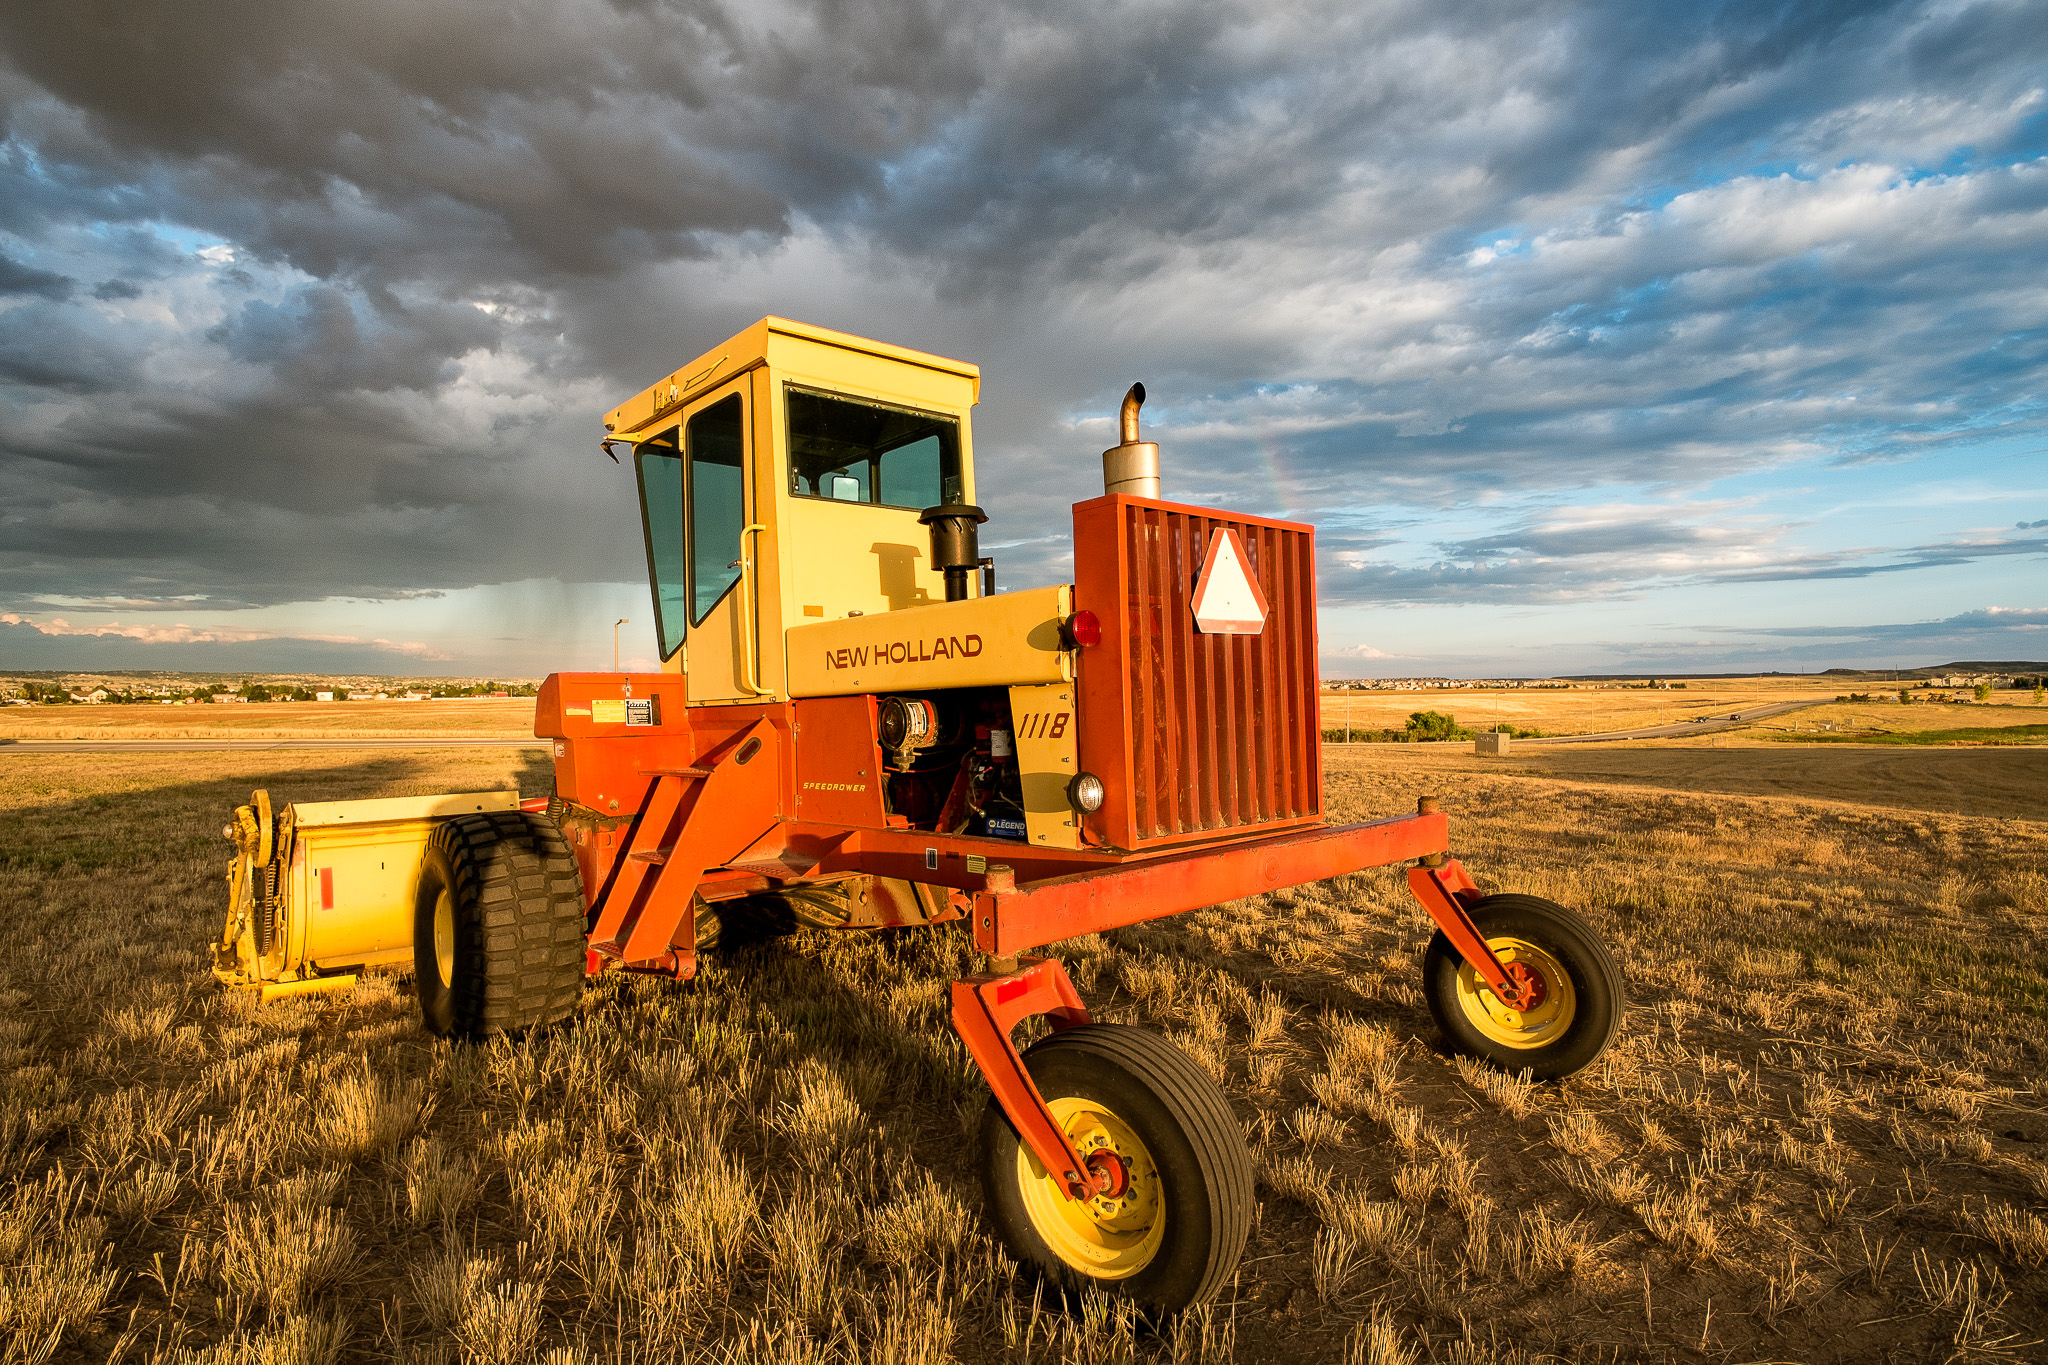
(852, 450)
(661, 516)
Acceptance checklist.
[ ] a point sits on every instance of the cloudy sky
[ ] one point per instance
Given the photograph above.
(1593, 337)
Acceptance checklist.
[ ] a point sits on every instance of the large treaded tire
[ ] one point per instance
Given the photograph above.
(1563, 945)
(1172, 1106)
(510, 954)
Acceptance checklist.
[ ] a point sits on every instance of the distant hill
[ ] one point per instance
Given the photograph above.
(2022, 668)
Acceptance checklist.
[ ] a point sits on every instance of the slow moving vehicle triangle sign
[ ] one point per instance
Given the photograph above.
(1227, 598)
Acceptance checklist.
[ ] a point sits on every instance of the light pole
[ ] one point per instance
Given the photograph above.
(615, 640)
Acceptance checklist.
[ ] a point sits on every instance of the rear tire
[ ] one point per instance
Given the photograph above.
(498, 941)
(1174, 1239)
(1568, 1029)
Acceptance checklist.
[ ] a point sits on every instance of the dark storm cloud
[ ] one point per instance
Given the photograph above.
(369, 272)
(16, 278)
(497, 140)
(47, 350)
(323, 337)
(1209, 127)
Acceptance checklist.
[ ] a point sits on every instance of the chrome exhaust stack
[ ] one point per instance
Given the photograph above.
(1132, 466)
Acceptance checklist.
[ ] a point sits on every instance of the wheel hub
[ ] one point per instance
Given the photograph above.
(1108, 1174)
(1525, 990)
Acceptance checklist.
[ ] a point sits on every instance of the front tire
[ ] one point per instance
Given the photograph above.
(1582, 999)
(1173, 1237)
(498, 942)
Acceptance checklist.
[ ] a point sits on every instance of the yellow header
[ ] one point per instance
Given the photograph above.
(749, 349)
(314, 814)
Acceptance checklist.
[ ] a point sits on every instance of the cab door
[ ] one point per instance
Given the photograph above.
(703, 544)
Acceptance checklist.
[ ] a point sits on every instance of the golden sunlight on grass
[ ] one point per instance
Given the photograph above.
(1584, 709)
(1820, 1136)
(464, 717)
(2006, 710)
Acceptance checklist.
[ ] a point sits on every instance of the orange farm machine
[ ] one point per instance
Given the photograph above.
(851, 720)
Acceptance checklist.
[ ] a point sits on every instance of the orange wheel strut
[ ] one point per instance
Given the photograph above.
(1444, 891)
(986, 1008)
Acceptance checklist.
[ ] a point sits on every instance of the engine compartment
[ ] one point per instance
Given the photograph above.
(949, 760)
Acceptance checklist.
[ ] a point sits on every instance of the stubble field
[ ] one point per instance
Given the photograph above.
(1820, 1137)
(1581, 710)
(455, 718)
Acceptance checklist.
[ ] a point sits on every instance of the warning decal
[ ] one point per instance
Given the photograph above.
(1227, 598)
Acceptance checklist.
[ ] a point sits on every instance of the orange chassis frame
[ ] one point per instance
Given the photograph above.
(1008, 917)
(715, 808)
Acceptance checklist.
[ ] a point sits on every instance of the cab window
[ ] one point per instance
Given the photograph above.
(715, 443)
(659, 466)
(852, 450)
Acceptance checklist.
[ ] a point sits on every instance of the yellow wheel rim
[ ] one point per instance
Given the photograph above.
(1522, 1029)
(444, 938)
(1105, 1239)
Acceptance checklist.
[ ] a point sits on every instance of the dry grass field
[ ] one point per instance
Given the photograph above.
(1847, 721)
(462, 717)
(1822, 1136)
(1583, 710)
(2005, 783)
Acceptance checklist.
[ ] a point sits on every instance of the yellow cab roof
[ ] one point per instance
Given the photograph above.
(749, 349)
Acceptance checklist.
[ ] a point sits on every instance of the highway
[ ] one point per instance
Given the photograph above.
(208, 746)
(1733, 720)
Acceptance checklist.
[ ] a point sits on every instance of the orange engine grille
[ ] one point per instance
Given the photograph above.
(1201, 734)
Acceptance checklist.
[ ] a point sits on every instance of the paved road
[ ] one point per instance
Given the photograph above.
(194, 746)
(1733, 720)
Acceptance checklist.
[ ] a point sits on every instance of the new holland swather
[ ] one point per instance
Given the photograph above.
(849, 719)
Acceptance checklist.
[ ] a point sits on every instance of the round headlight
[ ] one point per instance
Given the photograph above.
(1086, 792)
